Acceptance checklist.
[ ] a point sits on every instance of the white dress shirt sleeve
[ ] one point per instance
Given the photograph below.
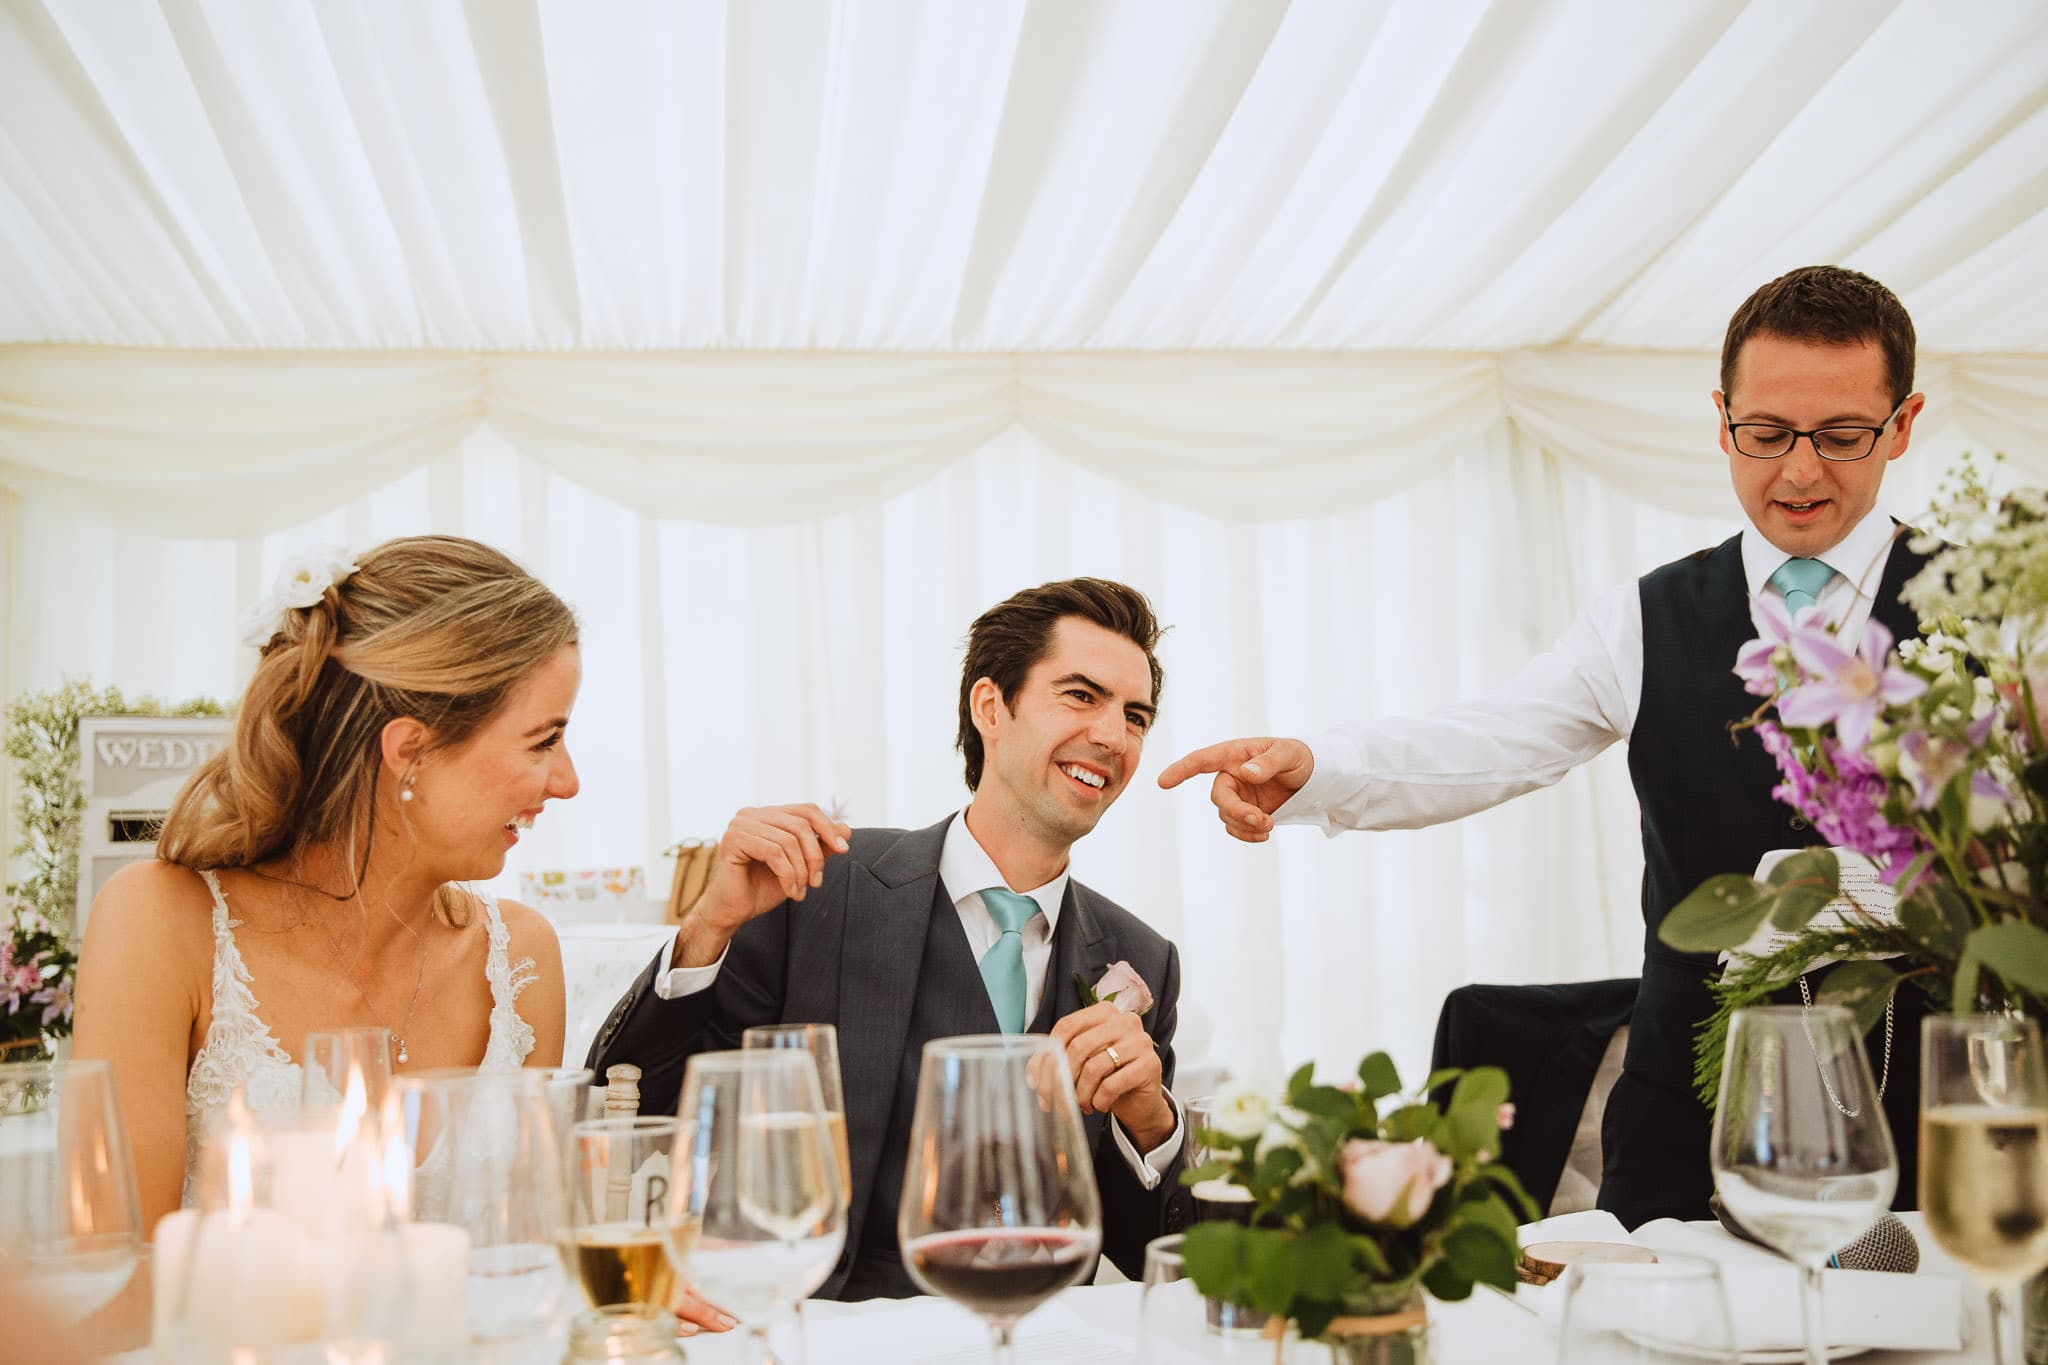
(673, 982)
(1560, 710)
(1151, 1167)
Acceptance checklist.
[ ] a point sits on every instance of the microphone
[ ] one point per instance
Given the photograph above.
(1889, 1244)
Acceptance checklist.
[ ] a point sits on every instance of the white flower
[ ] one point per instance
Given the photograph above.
(1241, 1111)
(302, 581)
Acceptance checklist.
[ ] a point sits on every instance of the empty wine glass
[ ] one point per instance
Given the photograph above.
(70, 1221)
(487, 1159)
(1984, 1156)
(1801, 1153)
(1000, 1210)
(626, 1247)
(1673, 1310)
(756, 1176)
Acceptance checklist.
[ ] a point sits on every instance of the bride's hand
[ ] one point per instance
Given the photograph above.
(693, 1315)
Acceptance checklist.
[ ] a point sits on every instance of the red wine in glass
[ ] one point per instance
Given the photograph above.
(1001, 1272)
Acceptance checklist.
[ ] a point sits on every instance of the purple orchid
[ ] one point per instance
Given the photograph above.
(1849, 685)
(56, 1002)
(1753, 662)
(1844, 798)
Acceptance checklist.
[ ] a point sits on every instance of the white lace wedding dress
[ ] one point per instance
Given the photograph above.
(241, 1050)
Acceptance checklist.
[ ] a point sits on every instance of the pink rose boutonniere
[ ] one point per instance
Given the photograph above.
(1120, 986)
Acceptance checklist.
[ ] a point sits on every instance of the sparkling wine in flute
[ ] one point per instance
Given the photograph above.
(836, 1122)
(1001, 1272)
(1984, 1187)
(630, 1262)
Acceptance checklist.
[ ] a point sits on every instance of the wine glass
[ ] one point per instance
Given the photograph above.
(331, 1055)
(1000, 1210)
(487, 1159)
(1801, 1153)
(626, 1250)
(1673, 1309)
(1984, 1156)
(756, 1178)
(70, 1220)
(822, 1042)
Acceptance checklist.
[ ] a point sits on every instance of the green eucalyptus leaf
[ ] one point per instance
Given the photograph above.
(1722, 912)
(1520, 1204)
(1277, 1167)
(1304, 1076)
(1484, 1087)
(1444, 1281)
(1324, 1252)
(1864, 988)
(1215, 1169)
(1378, 1078)
(1271, 1277)
(1938, 918)
(1806, 882)
(1481, 1255)
(1328, 1102)
(1441, 1077)
(1367, 1253)
(1412, 1121)
(1214, 1256)
(1311, 1318)
(2016, 950)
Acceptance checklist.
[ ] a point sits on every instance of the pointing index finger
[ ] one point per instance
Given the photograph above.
(1209, 759)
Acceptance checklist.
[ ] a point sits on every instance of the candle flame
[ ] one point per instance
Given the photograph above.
(354, 1104)
(395, 1177)
(241, 1179)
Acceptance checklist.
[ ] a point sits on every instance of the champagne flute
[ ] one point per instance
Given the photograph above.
(756, 1175)
(331, 1055)
(822, 1042)
(1000, 1210)
(1801, 1153)
(626, 1246)
(70, 1219)
(1984, 1156)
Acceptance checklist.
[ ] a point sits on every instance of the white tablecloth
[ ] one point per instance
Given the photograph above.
(1485, 1329)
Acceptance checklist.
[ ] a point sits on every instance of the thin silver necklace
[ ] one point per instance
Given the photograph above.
(1827, 1081)
(419, 977)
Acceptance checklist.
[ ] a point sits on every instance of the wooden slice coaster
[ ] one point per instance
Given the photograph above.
(1542, 1262)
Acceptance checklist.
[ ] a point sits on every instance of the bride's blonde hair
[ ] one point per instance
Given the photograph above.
(436, 628)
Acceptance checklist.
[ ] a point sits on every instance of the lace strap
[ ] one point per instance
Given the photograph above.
(231, 992)
(511, 1036)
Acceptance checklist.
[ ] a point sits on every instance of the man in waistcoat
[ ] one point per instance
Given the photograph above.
(1816, 400)
(972, 925)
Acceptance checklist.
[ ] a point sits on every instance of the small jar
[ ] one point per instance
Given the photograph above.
(623, 1334)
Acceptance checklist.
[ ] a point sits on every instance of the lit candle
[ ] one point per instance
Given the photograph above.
(437, 1267)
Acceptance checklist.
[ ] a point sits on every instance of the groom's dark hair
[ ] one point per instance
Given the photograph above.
(1008, 639)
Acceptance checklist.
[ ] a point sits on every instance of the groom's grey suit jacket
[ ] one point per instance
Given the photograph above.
(876, 947)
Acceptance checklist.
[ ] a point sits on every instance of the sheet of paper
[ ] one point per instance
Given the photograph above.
(936, 1332)
(1859, 880)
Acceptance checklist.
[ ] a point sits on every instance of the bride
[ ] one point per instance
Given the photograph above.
(403, 727)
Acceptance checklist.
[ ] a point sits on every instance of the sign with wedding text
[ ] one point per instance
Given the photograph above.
(130, 769)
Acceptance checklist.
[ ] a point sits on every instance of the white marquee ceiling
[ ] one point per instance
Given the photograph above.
(877, 174)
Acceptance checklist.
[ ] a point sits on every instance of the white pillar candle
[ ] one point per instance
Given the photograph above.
(437, 1265)
(171, 1258)
(253, 1280)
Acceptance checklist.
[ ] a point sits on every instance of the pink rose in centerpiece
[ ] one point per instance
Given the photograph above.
(1123, 987)
(1391, 1183)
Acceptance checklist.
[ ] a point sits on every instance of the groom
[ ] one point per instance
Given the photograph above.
(970, 926)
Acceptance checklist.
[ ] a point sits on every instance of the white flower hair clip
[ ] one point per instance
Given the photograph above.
(303, 581)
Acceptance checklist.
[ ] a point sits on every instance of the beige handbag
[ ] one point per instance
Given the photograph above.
(693, 869)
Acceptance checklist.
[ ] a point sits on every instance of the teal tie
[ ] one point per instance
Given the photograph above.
(1002, 966)
(1801, 581)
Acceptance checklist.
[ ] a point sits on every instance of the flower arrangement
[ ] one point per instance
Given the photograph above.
(1361, 1197)
(42, 739)
(1929, 760)
(36, 969)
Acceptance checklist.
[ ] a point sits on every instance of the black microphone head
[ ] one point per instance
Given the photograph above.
(1889, 1245)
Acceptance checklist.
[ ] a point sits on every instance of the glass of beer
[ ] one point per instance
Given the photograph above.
(626, 1240)
(822, 1042)
(1984, 1156)
(1219, 1201)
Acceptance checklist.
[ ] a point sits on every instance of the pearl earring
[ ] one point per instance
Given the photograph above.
(405, 789)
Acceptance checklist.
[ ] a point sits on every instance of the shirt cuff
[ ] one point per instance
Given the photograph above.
(1338, 776)
(673, 983)
(1152, 1166)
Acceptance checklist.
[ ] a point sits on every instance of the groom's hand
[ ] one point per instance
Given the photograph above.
(1129, 1085)
(1254, 778)
(767, 855)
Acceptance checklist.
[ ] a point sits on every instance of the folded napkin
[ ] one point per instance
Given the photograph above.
(1863, 1308)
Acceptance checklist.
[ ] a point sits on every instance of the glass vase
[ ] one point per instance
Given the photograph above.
(1392, 1333)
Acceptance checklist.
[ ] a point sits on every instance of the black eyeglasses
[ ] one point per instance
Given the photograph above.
(1769, 441)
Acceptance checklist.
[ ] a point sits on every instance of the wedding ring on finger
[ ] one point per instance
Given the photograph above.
(1115, 1062)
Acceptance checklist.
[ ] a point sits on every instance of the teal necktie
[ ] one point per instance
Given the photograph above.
(1801, 581)
(1002, 966)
